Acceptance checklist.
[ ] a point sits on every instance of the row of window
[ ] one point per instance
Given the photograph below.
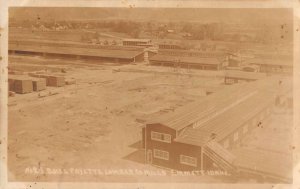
(186, 160)
(197, 54)
(161, 154)
(160, 137)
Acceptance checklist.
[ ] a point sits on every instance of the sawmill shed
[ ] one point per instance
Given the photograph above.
(201, 135)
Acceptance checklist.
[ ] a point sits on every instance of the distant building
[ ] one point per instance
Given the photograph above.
(273, 65)
(170, 31)
(186, 62)
(186, 35)
(195, 53)
(272, 62)
(137, 42)
(234, 76)
(169, 46)
(206, 60)
(250, 68)
(110, 54)
(233, 62)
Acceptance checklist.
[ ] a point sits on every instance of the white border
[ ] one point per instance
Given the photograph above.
(4, 4)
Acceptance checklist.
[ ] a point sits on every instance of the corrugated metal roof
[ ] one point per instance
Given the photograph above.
(271, 61)
(216, 53)
(220, 151)
(213, 112)
(221, 114)
(244, 75)
(194, 137)
(138, 40)
(226, 123)
(108, 53)
(231, 120)
(204, 107)
(70, 44)
(185, 59)
(274, 55)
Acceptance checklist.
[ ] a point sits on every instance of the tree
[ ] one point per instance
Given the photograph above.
(105, 42)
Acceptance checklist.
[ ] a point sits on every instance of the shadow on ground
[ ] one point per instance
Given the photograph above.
(137, 156)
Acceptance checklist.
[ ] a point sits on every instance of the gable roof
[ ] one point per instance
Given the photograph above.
(220, 113)
(137, 40)
(108, 53)
(271, 61)
(185, 59)
(244, 75)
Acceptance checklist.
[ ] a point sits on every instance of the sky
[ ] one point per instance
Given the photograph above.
(163, 14)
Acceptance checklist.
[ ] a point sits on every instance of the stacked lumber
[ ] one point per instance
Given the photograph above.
(51, 80)
(38, 84)
(20, 84)
(10, 84)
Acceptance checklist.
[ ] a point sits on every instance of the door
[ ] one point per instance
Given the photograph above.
(149, 157)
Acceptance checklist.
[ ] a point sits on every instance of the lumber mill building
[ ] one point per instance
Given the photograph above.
(201, 135)
(115, 54)
(235, 76)
(191, 59)
(273, 65)
(273, 62)
(137, 42)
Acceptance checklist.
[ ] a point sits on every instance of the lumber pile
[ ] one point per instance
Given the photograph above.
(38, 84)
(51, 80)
(25, 84)
(20, 84)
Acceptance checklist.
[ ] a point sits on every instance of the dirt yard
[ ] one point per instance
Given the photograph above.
(92, 124)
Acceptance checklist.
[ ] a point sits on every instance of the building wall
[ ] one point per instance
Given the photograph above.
(175, 150)
(252, 123)
(134, 43)
(185, 65)
(231, 80)
(140, 58)
(203, 54)
(168, 46)
(276, 68)
(88, 58)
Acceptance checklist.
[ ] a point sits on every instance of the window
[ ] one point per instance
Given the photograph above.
(245, 129)
(226, 144)
(160, 137)
(187, 160)
(235, 136)
(229, 80)
(160, 154)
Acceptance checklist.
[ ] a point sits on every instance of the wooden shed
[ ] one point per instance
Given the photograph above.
(201, 135)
